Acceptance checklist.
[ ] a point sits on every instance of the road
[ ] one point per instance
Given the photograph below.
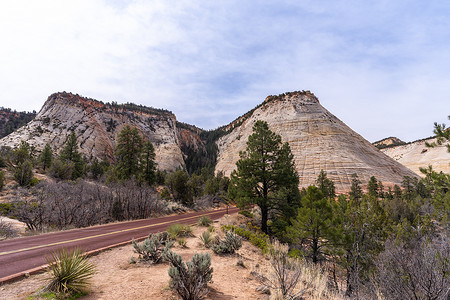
(27, 254)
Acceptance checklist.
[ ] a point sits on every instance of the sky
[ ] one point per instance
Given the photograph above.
(382, 67)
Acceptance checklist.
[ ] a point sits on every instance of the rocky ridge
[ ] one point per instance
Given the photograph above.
(97, 125)
(318, 141)
(417, 155)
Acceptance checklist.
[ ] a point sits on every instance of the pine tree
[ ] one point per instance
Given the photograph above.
(325, 185)
(313, 224)
(128, 152)
(265, 172)
(70, 154)
(147, 163)
(372, 187)
(46, 157)
(178, 183)
(355, 189)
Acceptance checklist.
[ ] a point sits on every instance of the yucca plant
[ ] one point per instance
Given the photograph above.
(69, 272)
(206, 238)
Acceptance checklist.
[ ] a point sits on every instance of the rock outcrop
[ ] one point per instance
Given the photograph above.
(417, 155)
(97, 125)
(388, 142)
(318, 141)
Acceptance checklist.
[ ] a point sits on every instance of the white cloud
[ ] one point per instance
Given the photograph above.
(380, 67)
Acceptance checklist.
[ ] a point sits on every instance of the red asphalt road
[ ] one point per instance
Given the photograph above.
(22, 255)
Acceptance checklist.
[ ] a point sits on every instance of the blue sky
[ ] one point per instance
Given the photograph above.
(380, 66)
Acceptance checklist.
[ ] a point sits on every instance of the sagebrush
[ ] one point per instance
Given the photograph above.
(151, 250)
(190, 280)
(228, 245)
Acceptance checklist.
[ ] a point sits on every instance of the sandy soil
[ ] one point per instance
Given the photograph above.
(117, 279)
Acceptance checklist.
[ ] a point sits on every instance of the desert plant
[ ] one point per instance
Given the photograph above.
(6, 230)
(189, 280)
(204, 221)
(258, 239)
(229, 244)
(2, 180)
(291, 278)
(420, 270)
(211, 229)
(151, 250)
(179, 230)
(69, 272)
(206, 238)
(182, 242)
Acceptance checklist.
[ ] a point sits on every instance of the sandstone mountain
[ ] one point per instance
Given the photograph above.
(388, 142)
(317, 138)
(417, 155)
(96, 126)
(318, 141)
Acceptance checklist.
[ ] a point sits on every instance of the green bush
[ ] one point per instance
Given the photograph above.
(206, 238)
(179, 230)
(69, 272)
(189, 280)
(211, 229)
(246, 213)
(258, 239)
(2, 180)
(182, 242)
(228, 245)
(153, 248)
(23, 173)
(204, 221)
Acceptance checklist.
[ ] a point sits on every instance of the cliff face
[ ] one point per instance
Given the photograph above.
(97, 125)
(416, 155)
(318, 140)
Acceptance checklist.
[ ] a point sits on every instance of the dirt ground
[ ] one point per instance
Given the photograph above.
(118, 279)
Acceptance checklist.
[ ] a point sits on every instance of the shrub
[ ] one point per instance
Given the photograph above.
(291, 278)
(69, 272)
(211, 229)
(153, 248)
(182, 242)
(229, 244)
(206, 238)
(7, 230)
(246, 213)
(179, 230)
(204, 221)
(189, 280)
(23, 173)
(258, 239)
(2, 180)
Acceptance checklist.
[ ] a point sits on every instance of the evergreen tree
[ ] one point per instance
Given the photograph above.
(178, 183)
(70, 154)
(313, 224)
(23, 173)
(265, 173)
(128, 151)
(355, 189)
(46, 157)
(325, 185)
(362, 226)
(372, 187)
(147, 163)
(442, 136)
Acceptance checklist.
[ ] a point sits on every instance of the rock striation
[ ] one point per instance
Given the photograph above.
(417, 155)
(318, 141)
(97, 125)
